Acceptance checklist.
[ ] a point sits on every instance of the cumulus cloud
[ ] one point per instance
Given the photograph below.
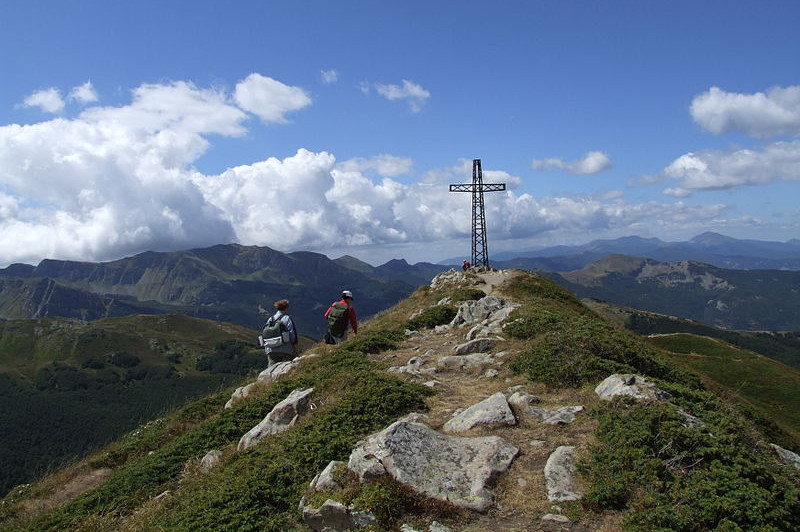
(329, 76)
(269, 99)
(118, 180)
(591, 163)
(763, 114)
(715, 170)
(84, 93)
(48, 100)
(410, 91)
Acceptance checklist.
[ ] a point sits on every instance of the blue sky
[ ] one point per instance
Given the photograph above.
(336, 126)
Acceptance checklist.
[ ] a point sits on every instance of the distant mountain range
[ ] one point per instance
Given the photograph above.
(231, 283)
(710, 248)
(725, 298)
(238, 284)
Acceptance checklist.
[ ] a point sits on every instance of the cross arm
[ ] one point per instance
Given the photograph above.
(484, 187)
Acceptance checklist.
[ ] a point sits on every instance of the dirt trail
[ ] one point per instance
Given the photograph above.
(521, 494)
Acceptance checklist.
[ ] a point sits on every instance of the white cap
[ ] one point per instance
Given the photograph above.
(347, 293)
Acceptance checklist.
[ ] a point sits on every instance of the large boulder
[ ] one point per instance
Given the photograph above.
(493, 411)
(449, 468)
(281, 418)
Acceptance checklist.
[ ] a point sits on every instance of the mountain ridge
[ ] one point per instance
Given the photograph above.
(709, 247)
(693, 450)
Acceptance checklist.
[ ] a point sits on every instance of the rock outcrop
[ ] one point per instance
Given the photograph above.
(491, 412)
(282, 416)
(449, 468)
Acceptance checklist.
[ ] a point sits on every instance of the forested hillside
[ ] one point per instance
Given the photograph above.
(69, 387)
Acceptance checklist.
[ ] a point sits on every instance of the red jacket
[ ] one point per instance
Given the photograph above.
(351, 314)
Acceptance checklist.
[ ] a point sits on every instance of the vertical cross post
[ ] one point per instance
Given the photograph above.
(480, 252)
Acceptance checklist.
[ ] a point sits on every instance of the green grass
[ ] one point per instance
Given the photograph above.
(570, 346)
(769, 386)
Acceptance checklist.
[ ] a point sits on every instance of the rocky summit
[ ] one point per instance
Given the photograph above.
(488, 400)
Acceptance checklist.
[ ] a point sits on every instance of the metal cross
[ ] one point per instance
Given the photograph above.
(480, 253)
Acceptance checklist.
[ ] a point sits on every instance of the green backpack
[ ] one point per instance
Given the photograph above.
(337, 319)
(272, 335)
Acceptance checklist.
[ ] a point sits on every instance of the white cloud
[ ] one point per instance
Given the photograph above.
(48, 100)
(329, 76)
(384, 165)
(84, 93)
(269, 99)
(715, 170)
(414, 93)
(118, 180)
(776, 112)
(591, 163)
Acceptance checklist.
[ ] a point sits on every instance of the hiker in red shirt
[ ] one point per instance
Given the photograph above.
(339, 315)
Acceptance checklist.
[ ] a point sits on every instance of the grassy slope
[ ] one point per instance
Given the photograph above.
(771, 387)
(55, 409)
(643, 463)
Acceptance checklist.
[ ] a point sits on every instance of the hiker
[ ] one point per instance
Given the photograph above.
(339, 315)
(466, 265)
(288, 347)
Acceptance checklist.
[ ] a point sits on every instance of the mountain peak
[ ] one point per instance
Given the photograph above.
(709, 238)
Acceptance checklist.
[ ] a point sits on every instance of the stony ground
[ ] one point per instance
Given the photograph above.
(521, 495)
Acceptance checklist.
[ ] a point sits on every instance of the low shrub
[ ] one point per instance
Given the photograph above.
(373, 341)
(672, 477)
(432, 316)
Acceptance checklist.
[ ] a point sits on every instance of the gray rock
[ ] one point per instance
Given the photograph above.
(475, 360)
(274, 372)
(281, 418)
(479, 345)
(786, 456)
(414, 367)
(633, 385)
(452, 277)
(558, 518)
(239, 394)
(449, 468)
(691, 421)
(557, 416)
(493, 411)
(483, 331)
(558, 472)
(521, 400)
(324, 480)
(333, 516)
(211, 460)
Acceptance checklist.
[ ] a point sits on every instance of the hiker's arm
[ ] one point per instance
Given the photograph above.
(353, 320)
